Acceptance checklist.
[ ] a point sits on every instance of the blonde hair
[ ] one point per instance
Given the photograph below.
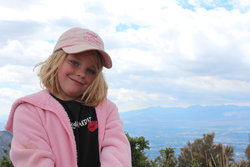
(92, 96)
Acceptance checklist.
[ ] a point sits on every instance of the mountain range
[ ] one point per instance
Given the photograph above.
(174, 126)
(5, 138)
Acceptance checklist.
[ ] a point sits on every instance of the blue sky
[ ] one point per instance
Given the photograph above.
(210, 4)
(165, 53)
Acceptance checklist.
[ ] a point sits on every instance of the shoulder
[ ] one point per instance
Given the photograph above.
(30, 99)
(21, 108)
(106, 105)
(41, 99)
(28, 105)
(107, 111)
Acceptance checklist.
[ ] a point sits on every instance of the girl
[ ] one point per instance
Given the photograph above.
(71, 122)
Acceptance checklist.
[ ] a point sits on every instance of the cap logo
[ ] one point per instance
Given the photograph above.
(92, 39)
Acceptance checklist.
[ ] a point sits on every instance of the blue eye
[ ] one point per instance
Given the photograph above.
(91, 71)
(74, 63)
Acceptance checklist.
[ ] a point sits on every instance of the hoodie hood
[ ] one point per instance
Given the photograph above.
(41, 99)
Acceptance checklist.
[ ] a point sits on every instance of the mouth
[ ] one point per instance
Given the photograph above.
(77, 82)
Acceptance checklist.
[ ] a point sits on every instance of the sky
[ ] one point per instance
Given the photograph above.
(169, 53)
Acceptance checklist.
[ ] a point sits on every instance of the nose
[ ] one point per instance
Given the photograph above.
(81, 73)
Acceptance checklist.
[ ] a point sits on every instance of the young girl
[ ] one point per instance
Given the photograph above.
(71, 122)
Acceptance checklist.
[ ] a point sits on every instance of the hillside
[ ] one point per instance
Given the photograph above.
(173, 127)
(5, 138)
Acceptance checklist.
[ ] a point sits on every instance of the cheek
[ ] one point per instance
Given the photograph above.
(63, 70)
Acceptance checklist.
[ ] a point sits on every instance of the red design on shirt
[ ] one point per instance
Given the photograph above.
(92, 126)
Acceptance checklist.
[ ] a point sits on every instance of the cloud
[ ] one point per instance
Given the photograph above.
(7, 96)
(18, 30)
(17, 74)
(242, 5)
(16, 4)
(16, 52)
(129, 99)
(171, 53)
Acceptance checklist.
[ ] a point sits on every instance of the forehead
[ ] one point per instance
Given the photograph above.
(88, 55)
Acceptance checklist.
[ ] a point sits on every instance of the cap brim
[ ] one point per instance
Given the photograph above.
(82, 48)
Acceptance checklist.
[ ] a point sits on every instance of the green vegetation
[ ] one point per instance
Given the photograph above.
(5, 161)
(201, 152)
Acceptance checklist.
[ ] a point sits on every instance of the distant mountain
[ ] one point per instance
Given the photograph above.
(5, 139)
(173, 127)
(3, 119)
(2, 125)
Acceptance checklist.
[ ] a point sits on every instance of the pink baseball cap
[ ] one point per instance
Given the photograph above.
(76, 40)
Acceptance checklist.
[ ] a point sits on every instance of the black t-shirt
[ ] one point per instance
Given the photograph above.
(85, 127)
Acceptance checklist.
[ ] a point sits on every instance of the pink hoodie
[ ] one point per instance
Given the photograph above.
(43, 137)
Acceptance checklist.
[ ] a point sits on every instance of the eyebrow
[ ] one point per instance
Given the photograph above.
(78, 59)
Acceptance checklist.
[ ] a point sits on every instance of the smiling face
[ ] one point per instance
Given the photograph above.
(76, 73)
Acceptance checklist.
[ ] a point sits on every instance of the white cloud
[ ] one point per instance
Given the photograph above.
(8, 96)
(10, 93)
(18, 76)
(165, 53)
(16, 52)
(129, 99)
(213, 84)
